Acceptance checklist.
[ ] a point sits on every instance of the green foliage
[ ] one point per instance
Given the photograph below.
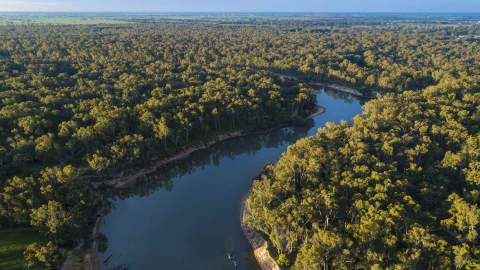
(81, 103)
(57, 202)
(50, 218)
(12, 245)
(282, 260)
(396, 189)
(45, 256)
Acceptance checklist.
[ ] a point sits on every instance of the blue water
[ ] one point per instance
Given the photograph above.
(188, 216)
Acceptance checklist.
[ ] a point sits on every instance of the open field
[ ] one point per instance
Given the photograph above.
(12, 244)
(57, 20)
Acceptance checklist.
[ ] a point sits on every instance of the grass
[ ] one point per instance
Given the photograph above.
(12, 244)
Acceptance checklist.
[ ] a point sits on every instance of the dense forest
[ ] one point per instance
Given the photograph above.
(81, 104)
(396, 189)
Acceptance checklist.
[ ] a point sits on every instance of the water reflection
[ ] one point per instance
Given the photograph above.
(249, 145)
(344, 97)
(188, 215)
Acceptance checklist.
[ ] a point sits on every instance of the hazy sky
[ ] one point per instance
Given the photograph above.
(244, 5)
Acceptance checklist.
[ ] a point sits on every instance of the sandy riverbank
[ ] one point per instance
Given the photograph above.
(90, 259)
(80, 259)
(333, 86)
(129, 180)
(259, 245)
(340, 88)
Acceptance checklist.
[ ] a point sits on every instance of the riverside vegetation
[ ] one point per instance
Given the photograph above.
(396, 189)
(81, 104)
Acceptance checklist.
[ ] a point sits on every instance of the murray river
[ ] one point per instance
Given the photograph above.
(187, 216)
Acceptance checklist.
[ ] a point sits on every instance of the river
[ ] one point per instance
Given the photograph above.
(187, 216)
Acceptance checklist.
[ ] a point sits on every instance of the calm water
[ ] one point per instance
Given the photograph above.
(188, 216)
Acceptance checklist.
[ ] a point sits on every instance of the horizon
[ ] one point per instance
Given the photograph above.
(241, 6)
(246, 12)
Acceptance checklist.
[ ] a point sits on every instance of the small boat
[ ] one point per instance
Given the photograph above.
(230, 256)
(234, 263)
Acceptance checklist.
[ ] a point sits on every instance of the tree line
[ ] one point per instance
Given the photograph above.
(81, 103)
(396, 189)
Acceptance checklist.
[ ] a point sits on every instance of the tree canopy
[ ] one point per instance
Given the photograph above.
(79, 104)
(396, 189)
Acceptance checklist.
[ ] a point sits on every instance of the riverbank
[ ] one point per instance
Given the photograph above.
(332, 86)
(339, 88)
(128, 181)
(260, 245)
(90, 259)
(123, 182)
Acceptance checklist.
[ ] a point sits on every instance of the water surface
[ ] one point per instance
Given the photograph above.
(188, 216)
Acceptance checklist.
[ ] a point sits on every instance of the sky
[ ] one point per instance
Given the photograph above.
(243, 5)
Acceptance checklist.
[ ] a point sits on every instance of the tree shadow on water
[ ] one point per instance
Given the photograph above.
(246, 145)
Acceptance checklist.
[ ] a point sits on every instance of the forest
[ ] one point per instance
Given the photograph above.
(80, 104)
(396, 189)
